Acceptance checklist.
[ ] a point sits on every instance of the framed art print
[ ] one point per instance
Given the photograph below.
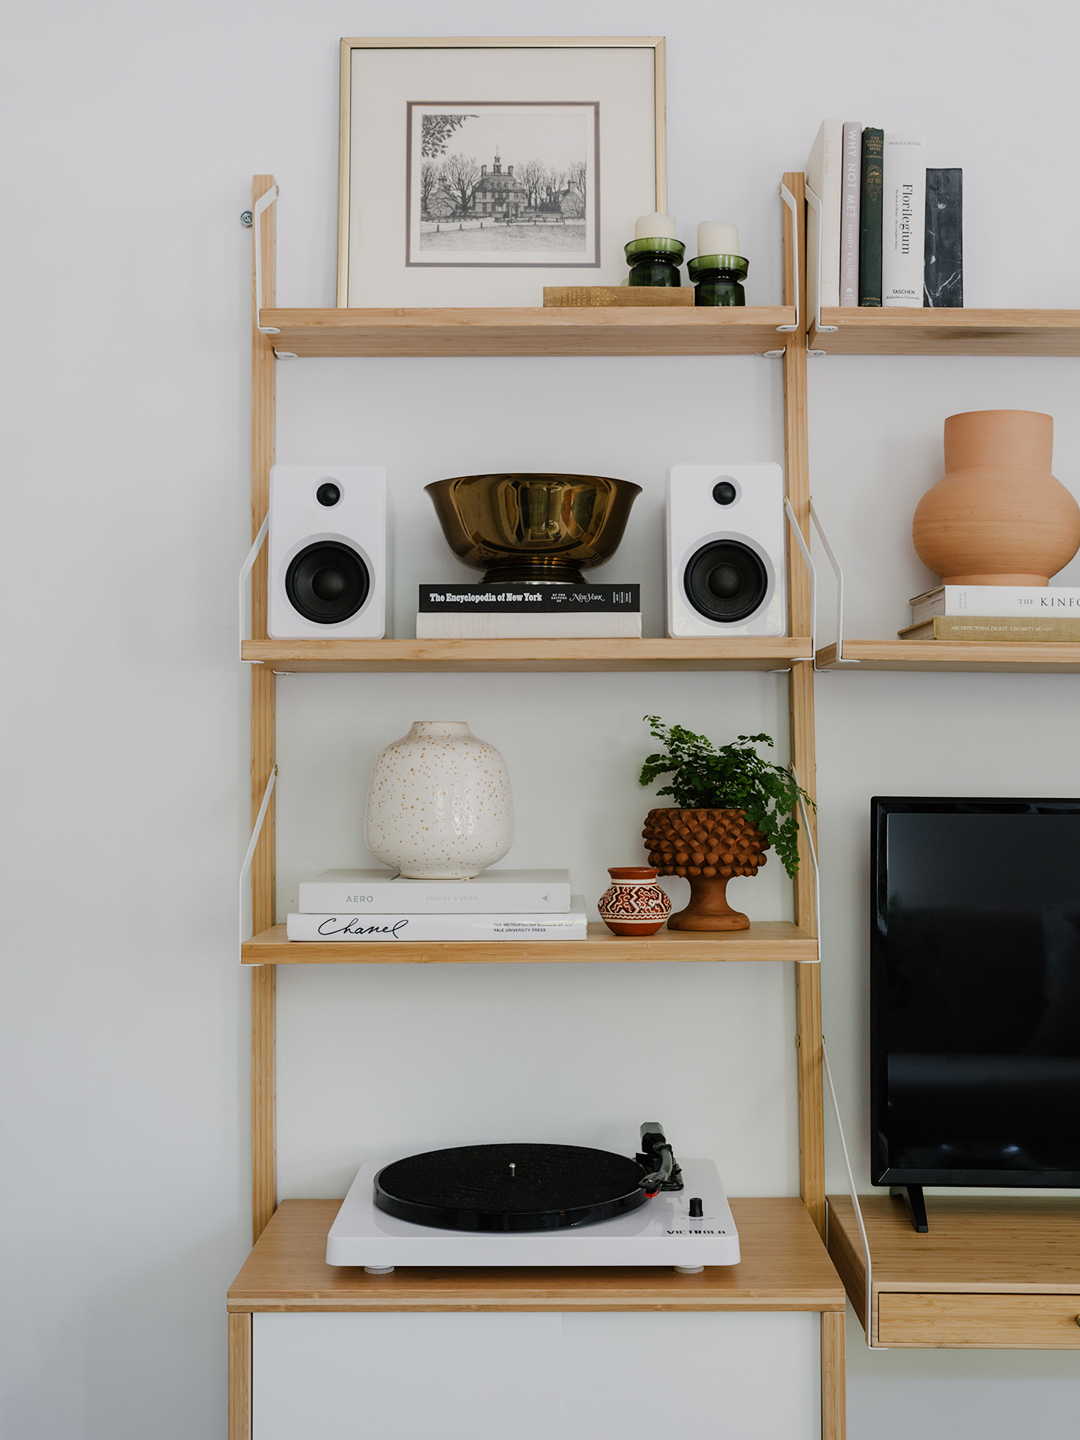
(477, 171)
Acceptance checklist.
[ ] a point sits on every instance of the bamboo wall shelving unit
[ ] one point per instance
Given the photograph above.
(785, 1265)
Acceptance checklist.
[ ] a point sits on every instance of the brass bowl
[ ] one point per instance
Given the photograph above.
(533, 527)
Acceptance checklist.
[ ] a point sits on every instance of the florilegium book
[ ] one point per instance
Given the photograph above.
(1041, 600)
(850, 187)
(903, 219)
(392, 927)
(997, 627)
(943, 261)
(823, 174)
(873, 144)
(492, 892)
(523, 611)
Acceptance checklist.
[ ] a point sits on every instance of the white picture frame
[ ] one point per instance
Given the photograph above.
(474, 172)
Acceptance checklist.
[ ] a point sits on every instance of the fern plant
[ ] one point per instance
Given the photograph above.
(733, 777)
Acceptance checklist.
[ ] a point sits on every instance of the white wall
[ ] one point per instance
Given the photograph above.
(132, 132)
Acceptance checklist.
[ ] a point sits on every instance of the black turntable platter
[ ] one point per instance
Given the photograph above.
(510, 1187)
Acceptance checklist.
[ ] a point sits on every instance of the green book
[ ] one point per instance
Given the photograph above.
(873, 146)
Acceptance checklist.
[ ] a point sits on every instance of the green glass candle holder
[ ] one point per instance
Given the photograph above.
(718, 279)
(655, 261)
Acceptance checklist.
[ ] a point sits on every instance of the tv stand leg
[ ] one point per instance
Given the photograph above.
(913, 1195)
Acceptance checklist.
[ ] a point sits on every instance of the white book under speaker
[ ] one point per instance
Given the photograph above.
(380, 929)
(903, 219)
(492, 892)
(328, 548)
(589, 625)
(725, 550)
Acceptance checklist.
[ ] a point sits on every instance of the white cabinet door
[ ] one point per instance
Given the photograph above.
(534, 1377)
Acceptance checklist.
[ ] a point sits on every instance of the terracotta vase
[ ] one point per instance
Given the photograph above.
(633, 904)
(709, 847)
(998, 517)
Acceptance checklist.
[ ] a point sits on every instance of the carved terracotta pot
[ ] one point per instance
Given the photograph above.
(998, 517)
(633, 904)
(708, 847)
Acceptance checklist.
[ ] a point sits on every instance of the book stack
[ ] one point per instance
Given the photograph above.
(996, 612)
(380, 906)
(522, 611)
(891, 230)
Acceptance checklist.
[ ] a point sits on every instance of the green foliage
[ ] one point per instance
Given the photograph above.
(735, 777)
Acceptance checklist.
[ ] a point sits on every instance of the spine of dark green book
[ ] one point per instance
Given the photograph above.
(873, 149)
(943, 275)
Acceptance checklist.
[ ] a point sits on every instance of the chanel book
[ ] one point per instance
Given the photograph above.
(492, 892)
(392, 927)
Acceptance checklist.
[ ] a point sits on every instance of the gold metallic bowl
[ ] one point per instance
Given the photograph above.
(533, 527)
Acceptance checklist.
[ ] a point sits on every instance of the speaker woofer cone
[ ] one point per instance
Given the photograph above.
(327, 582)
(726, 581)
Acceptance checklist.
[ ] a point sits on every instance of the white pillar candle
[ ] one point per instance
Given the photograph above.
(649, 227)
(716, 238)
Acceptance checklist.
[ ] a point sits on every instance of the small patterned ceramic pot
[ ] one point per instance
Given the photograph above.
(634, 904)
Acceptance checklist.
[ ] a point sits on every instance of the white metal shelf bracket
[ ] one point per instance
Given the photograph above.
(789, 200)
(263, 203)
(245, 589)
(839, 573)
(813, 282)
(245, 869)
(804, 550)
(869, 1315)
(805, 818)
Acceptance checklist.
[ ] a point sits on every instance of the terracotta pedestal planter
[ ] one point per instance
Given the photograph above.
(708, 847)
(998, 517)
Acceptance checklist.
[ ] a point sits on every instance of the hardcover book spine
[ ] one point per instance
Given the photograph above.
(903, 220)
(323, 897)
(1040, 600)
(587, 626)
(851, 186)
(873, 144)
(1006, 627)
(523, 599)
(823, 170)
(943, 277)
(384, 929)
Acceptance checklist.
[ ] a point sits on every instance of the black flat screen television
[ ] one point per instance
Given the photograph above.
(975, 992)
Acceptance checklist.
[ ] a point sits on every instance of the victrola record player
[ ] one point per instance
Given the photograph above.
(536, 1205)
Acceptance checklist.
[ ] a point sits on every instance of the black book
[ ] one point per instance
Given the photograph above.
(521, 598)
(943, 266)
(873, 175)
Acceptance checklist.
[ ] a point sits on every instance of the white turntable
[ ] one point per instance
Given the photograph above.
(536, 1205)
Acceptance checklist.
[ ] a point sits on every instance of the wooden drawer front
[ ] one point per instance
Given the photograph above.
(1003, 1322)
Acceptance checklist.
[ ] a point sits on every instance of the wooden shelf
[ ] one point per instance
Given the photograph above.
(517, 656)
(985, 656)
(992, 1273)
(765, 940)
(900, 331)
(555, 330)
(784, 1267)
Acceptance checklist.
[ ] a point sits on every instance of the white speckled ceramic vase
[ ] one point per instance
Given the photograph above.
(439, 805)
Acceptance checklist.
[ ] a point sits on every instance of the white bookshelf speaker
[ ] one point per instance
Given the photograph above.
(725, 550)
(328, 548)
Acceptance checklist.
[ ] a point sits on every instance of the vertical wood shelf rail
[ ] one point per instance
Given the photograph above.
(591, 333)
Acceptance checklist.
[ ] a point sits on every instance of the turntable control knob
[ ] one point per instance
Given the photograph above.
(696, 1212)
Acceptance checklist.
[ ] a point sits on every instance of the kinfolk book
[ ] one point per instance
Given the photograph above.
(1061, 601)
(492, 892)
(398, 928)
(903, 222)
